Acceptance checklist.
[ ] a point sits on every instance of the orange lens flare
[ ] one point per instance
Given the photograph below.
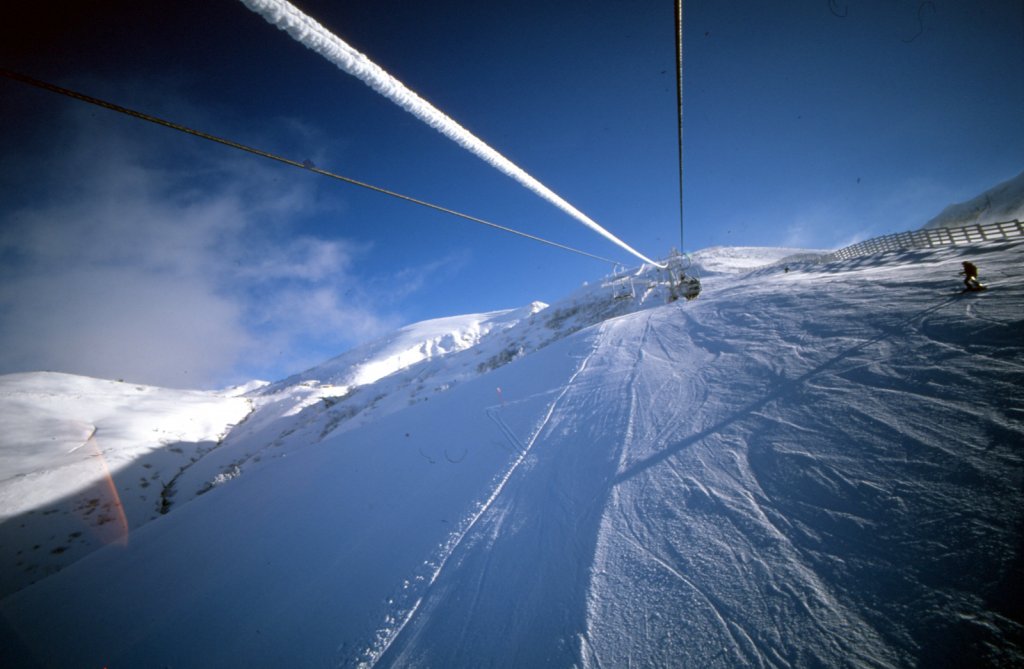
(110, 520)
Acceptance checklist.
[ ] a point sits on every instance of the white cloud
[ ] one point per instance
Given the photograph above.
(306, 258)
(122, 322)
(169, 265)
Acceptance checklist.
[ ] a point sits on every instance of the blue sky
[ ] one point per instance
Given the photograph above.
(131, 251)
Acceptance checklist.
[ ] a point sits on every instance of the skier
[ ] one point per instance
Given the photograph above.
(970, 273)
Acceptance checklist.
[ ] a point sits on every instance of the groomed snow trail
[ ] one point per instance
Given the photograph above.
(524, 566)
(743, 481)
(819, 467)
(690, 568)
(845, 491)
(469, 526)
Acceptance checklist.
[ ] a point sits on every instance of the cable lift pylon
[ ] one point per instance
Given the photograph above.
(688, 285)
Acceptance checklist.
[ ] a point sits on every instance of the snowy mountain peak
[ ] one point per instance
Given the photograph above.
(405, 347)
(814, 475)
(738, 259)
(1003, 202)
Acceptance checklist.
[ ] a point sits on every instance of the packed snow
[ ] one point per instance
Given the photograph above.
(82, 460)
(1001, 203)
(808, 465)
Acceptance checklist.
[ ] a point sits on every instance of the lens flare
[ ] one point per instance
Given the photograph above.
(111, 522)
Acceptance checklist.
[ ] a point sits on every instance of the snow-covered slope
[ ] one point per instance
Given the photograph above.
(406, 347)
(818, 467)
(82, 460)
(734, 259)
(1004, 202)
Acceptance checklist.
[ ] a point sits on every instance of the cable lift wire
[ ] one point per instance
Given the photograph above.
(306, 165)
(689, 281)
(313, 35)
(679, 108)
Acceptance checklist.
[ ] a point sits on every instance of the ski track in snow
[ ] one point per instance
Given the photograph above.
(387, 635)
(738, 499)
(813, 468)
(509, 516)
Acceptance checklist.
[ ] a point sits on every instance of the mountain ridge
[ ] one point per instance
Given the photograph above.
(798, 468)
(1003, 202)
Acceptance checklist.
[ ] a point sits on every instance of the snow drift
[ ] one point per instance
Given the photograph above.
(813, 467)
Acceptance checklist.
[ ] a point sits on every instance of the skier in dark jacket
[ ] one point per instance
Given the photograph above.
(971, 276)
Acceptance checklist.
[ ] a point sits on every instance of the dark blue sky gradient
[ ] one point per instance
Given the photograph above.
(807, 124)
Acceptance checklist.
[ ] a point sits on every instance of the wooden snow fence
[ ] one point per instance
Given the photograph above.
(924, 239)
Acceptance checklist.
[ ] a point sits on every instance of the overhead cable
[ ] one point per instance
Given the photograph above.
(306, 165)
(314, 36)
(679, 107)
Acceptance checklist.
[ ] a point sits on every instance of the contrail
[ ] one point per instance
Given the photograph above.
(314, 36)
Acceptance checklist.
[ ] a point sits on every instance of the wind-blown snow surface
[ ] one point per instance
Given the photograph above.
(1003, 202)
(819, 467)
